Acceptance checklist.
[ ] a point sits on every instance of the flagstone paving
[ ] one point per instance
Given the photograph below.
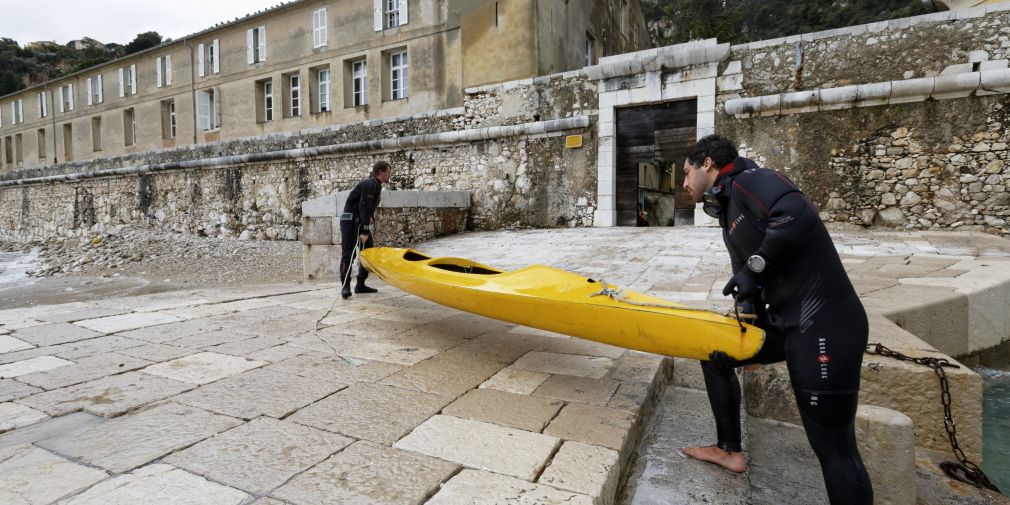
(264, 395)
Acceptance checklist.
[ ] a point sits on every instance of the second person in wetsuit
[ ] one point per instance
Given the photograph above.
(356, 225)
(786, 267)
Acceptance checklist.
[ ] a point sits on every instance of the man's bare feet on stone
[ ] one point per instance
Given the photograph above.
(732, 461)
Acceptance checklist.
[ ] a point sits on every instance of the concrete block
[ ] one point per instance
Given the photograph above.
(585, 469)
(159, 483)
(33, 476)
(322, 261)
(842, 97)
(911, 90)
(886, 441)
(473, 486)
(467, 442)
(956, 86)
(317, 230)
(324, 206)
(203, 367)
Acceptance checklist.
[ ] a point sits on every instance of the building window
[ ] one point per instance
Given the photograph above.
(163, 69)
(323, 89)
(42, 143)
(256, 45)
(18, 154)
(208, 109)
(398, 75)
(127, 81)
(319, 28)
(129, 127)
(168, 119)
(66, 97)
(18, 111)
(359, 83)
(390, 14)
(68, 142)
(9, 150)
(94, 89)
(266, 95)
(43, 106)
(208, 58)
(96, 133)
(294, 95)
(589, 49)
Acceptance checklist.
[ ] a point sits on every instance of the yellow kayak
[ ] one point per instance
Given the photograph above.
(562, 302)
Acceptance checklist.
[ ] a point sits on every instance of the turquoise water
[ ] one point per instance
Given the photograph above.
(996, 426)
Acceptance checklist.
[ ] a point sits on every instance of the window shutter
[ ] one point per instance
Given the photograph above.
(216, 120)
(88, 88)
(403, 12)
(38, 96)
(217, 55)
(45, 106)
(70, 95)
(199, 59)
(203, 110)
(249, 51)
(133, 79)
(378, 15)
(168, 70)
(263, 43)
(101, 90)
(315, 28)
(21, 110)
(61, 99)
(157, 70)
(122, 83)
(14, 113)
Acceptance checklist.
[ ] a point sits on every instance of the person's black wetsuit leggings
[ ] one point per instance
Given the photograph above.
(349, 234)
(827, 410)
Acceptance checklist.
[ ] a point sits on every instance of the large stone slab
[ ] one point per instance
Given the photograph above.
(32, 365)
(565, 364)
(585, 469)
(523, 412)
(157, 352)
(516, 380)
(52, 427)
(473, 487)
(32, 476)
(259, 392)
(84, 370)
(115, 324)
(108, 396)
(389, 352)
(157, 484)
(333, 368)
(126, 442)
(173, 331)
(372, 412)
(53, 334)
(246, 346)
(570, 345)
(92, 346)
(444, 375)
(259, 455)
(14, 415)
(483, 446)
(578, 389)
(203, 368)
(368, 474)
(11, 389)
(611, 428)
(9, 344)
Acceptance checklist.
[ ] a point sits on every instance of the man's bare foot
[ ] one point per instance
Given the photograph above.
(732, 461)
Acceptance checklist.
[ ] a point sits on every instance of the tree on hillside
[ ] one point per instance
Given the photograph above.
(143, 41)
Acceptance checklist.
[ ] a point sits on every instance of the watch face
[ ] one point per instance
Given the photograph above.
(756, 263)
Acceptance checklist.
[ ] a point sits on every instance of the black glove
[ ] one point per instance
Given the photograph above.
(743, 286)
(722, 360)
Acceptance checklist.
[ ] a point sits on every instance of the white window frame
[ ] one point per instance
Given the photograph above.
(43, 107)
(399, 76)
(389, 14)
(295, 95)
(256, 45)
(323, 89)
(131, 139)
(319, 34)
(66, 97)
(21, 110)
(208, 107)
(268, 100)
(392, 13)
(214, 56)
(359, 80)
(171, 120)
(14, 112)
(163, 69)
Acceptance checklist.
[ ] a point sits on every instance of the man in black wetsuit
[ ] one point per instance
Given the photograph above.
(786, 271)
(356, 225)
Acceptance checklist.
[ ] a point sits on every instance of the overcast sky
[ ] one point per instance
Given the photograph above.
(116, 20)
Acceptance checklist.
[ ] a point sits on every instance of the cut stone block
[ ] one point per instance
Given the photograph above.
(9, 344)
(83, 313)
(260, 455)
(246, 346)
(157, 352)
(585, 469)
(126, 442)
(259, 392)
(471, 487)
(326, 368)
(52, 427)
(568, 345)
(516, 380)
(92, 346)
(524, 412)
(33, 365)
(445, 375)
(635, 366)
(324, 206)
(13, 415)
(388, 352)
(108, 396)
(11, 389)
(631, 397)
(481, 445)
(172, 331)
(83, 370)
(368, 474)
(565, 364)
(887, 445)
(203, 367)
(372, 412)
(578, 389)
(156, 484)
(594, 425)
(53, 334)
(321, 261)
(317, 230)
(116, 324)
(32, 476)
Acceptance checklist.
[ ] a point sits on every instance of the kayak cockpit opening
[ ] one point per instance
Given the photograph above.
(415, 256)
(463, 266)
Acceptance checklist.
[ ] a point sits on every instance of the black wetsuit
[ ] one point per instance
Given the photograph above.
(356, 221)
(812, 317)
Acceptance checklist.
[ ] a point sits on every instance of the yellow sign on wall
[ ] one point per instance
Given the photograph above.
(573, 141)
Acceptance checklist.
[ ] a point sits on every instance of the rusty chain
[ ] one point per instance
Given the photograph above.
(963, 470)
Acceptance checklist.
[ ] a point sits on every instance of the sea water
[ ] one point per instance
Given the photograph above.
(996, 426)
(14, 268)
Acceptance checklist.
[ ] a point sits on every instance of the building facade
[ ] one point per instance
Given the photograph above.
(307, 64)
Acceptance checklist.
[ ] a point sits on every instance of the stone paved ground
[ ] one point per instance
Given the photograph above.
(222, 396)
